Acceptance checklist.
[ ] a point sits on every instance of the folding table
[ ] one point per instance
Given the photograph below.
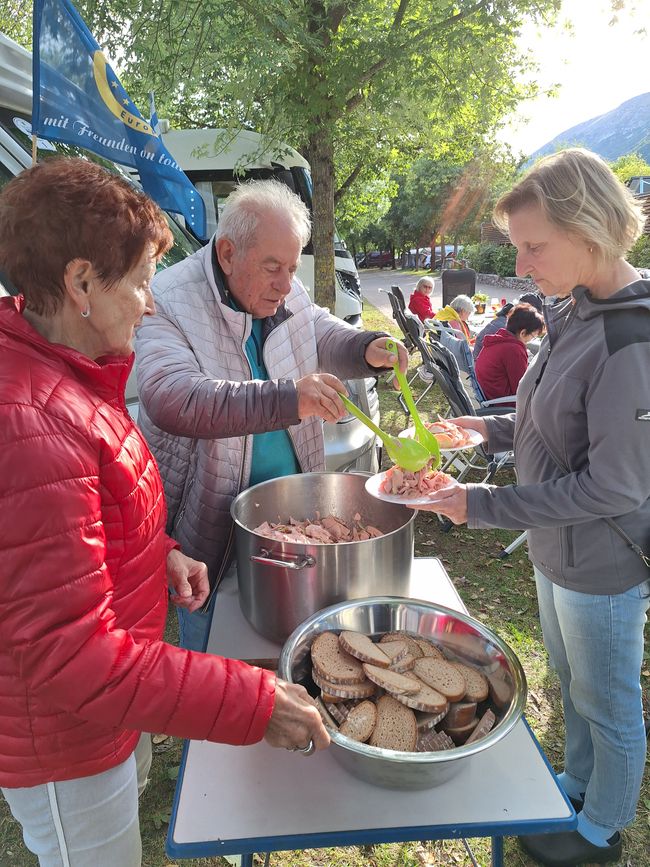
(241, 800)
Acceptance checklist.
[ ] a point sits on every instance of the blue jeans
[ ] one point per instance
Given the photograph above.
(194, 628)
(595, 643)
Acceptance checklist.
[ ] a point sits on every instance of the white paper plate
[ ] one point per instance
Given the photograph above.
(475, 439)
(372, 486)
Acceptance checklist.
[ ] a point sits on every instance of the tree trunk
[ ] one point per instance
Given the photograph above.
(320, 153)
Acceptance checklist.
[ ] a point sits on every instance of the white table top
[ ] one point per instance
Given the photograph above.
(249, 799)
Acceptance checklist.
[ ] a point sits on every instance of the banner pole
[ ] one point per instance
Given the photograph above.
(34, 149)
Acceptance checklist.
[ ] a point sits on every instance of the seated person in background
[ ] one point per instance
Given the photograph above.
(457, 313)
(493, 326)
(420, 300)
(503, 359)
(533, 298)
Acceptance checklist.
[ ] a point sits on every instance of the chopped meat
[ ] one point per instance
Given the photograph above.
(399, 483)
(448, 434)
(328, 530)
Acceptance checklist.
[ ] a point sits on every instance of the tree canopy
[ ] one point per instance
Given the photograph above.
(361, 87)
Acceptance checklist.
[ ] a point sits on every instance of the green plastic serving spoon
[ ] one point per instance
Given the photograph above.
(406, 453)
(423, 435)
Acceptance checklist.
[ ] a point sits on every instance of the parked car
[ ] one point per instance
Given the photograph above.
(377, 259)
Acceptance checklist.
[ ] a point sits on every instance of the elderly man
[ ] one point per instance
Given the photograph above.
(230, 374)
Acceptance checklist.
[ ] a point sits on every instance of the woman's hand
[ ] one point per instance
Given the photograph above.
(188, 579)
(450, 502)
(473, 422)
(295, 721)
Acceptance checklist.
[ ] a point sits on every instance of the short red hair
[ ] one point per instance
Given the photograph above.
(68, 208)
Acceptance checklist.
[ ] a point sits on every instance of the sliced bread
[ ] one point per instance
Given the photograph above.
(406, 663)
(394, 650)
(460, 713)
(459, 734)
(433, 742)
(428, 648)
(395, 728)
(412, 644)
(344, 690)
(442, 676)
(361, 647)
(360, 722)
(391, 681)
(501, 690)
(476, 683)
(485, 725)
(427, 721)
(332, 663)
(425, 699)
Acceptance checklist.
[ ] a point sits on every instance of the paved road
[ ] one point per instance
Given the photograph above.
(376, 282)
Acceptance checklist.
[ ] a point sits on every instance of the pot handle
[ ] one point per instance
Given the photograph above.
(302, 560)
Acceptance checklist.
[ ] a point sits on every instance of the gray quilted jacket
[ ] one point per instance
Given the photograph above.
(199, 406)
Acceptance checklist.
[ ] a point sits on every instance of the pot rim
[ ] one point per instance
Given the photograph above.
(302, 545)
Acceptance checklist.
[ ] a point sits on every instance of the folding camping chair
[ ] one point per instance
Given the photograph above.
(461, 282)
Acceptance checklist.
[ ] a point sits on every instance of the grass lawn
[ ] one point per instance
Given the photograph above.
(501, 593)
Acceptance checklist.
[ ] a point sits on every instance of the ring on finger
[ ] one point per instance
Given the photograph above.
(306, 751)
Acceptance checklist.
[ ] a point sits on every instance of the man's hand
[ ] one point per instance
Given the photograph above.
(188, 579)
(295, 721)
(378, 356)
(318, 395)
(451, 502)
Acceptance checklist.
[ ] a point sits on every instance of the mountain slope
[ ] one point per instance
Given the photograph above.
(622, 130)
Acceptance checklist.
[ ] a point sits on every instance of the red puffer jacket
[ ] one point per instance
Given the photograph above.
(83, 590)
(420, 305)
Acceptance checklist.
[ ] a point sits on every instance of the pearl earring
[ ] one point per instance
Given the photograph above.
(86, 313)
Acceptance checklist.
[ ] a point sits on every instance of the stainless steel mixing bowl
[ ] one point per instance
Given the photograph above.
(461, 638)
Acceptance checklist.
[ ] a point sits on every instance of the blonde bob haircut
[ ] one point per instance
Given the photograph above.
(578, 192)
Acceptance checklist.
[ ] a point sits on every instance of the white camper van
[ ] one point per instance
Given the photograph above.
(348, 444)
(216, 160)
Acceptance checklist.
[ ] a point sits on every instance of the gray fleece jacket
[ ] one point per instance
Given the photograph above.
(199, 405)
(584, 403)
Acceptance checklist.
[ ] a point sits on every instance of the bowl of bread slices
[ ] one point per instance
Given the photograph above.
(408, 689)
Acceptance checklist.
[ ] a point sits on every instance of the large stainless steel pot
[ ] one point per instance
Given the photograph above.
(461, 637)
(282, 583)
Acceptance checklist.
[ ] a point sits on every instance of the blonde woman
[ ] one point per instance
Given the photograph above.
(581, 435)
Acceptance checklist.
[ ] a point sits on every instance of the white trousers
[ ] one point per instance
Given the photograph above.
(88, 822)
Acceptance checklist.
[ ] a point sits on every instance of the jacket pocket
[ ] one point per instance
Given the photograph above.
(567, 533)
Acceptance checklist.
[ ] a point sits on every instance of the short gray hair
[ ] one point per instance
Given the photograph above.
(250, 202)
(578, 192)
(462, 304)
(429, 281)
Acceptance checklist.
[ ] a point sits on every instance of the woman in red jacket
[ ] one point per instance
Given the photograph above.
(420, 300)
(85, 561)
(503, 358)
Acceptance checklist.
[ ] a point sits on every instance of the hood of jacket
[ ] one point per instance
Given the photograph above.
(501, 338)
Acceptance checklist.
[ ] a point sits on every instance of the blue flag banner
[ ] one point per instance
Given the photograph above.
(79, 100)
(153, 115)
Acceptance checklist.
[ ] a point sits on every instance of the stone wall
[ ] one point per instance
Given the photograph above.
(520, 284)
